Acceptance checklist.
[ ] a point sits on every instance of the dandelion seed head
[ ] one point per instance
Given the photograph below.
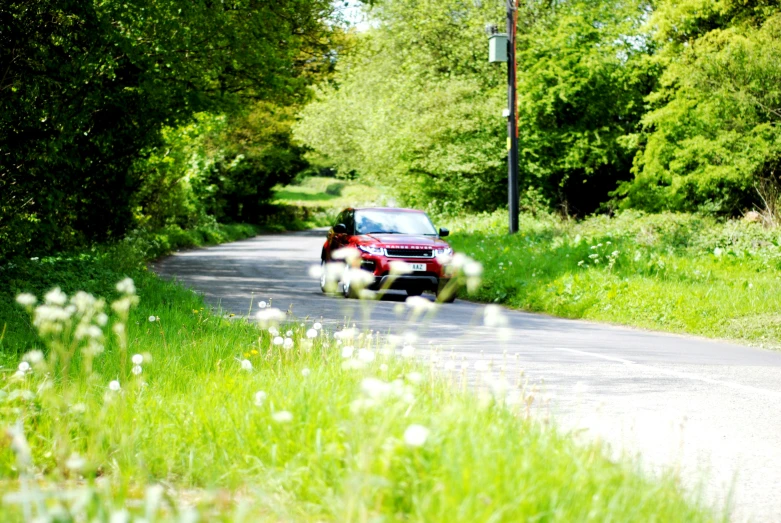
(269, 316)
(366, 355)
(75, 462)
(305, 372)
(24, 366)
(288, 344)
(262, 304)
(414, 377)
(384, 367)
(246, 365)
(137, 359)
(152, 319)
(311, 333)
(126, 286)
(317, 326)
(34, 357)
(137, 370)
(260, 398)
(289, 334)
(114, 386)
(278, 340)
(347, 351)
(407, 351)
(416, 435)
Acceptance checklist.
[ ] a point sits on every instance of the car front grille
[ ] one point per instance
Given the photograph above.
(409, 253)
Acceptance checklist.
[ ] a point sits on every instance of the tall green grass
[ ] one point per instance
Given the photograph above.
(190, 433)
(673, 272)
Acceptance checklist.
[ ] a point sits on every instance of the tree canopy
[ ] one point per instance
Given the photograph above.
(88, 84)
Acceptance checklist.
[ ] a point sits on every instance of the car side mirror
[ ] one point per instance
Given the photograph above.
(443, 232)
(340, 228)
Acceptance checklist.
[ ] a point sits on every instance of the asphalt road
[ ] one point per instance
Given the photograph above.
(706, 409)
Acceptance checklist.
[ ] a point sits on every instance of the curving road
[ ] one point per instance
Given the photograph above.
(709, 410)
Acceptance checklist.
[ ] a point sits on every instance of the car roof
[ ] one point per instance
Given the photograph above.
(392, 209)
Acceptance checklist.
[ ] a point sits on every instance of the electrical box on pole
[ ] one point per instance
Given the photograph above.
(497, 48)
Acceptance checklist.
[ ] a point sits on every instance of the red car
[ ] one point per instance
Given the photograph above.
(382, 236)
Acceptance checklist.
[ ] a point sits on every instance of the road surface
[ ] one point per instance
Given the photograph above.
(708, 410)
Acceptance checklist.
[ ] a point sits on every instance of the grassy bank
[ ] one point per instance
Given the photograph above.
(215, 418)
(673, 272)
(324, 192)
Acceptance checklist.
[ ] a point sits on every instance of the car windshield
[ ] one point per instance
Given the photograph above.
(393, 222)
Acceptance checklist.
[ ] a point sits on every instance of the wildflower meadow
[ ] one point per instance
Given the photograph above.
(141, 403)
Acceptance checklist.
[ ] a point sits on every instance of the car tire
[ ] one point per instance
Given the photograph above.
(323, 280)
(348, 290)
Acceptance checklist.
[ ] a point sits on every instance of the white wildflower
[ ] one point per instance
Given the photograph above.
(493, 316)
(262, 304)
(152, 319)
(366, 355)
(114, 384)
(55, 297)
(34, 357)
(278, 340)
(289, 334)
(414, 377)
(269, 315)
(400, 267)
(24, 366)
(260, 398)
(126, 286)
(282, 416)
(317, 326)
(101, 319)
(419, 304)
(137, 359)
(26, 300)
(481, 365)
(375, 388)
(311, 333)
(288, 344)
(75, 462)
(246, 365)
(416, 435)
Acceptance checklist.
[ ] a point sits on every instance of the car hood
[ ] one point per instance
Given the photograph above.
(402, 240)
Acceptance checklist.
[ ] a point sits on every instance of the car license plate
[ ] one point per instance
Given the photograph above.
(418, 266)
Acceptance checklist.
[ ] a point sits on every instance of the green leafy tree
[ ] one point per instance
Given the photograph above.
(418, 106)
(87, 84)
(712, 136)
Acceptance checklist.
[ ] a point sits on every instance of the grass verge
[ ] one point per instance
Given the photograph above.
(221, 418)
(673, 272)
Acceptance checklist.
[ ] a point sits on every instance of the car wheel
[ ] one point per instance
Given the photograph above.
(323, 279)
(347, 289)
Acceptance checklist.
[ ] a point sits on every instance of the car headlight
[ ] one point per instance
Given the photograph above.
(446, 251)
(371, 249)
